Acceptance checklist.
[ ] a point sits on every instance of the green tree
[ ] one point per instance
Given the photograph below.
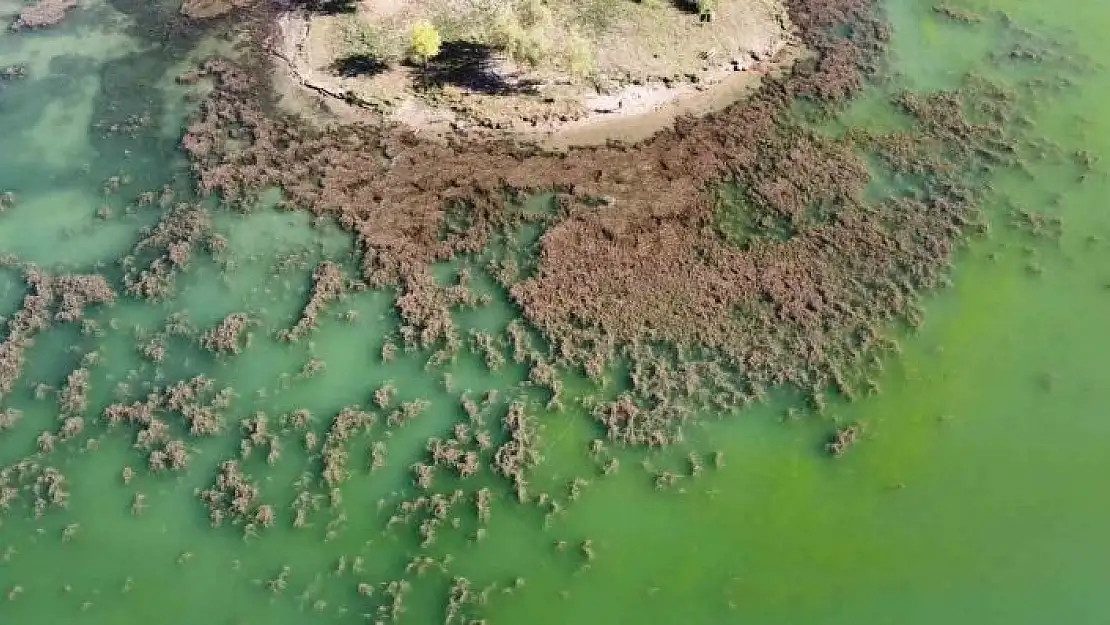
(424, 41)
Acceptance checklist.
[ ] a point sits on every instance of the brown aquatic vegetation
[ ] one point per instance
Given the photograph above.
(385, 395)
(227, 336)
(233, 497)
(425, 309)
(154, 350)
(195, 400)
(311, 367)
(299, 419)
(256, 431)
(71, 427)
(73, 399)
(264, 516)
(520, 452)
(138, 504)
(458, 453)
(423, 475)
(49, 488)
(347, 424)
(153, 264)
(483, 500)
(427, 513)
(459, 596)
(1038, 224)
(389, 352)
(406, 412)
(198, 405)
(842, 440)
(72, 293)
(639, 259)
(489, 347)
(45, 442)
(9, 491)
(174, 456)
(51, 299)
(11, 72)
(328, 284)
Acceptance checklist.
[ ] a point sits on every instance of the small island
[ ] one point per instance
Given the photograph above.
(576, 72)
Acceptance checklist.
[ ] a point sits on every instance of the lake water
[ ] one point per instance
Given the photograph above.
(975, 495)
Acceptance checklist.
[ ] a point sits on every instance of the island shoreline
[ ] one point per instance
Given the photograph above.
(639, 111)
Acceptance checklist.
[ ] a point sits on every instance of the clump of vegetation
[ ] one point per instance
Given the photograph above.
(233, 497)
(520, 452)
(957, 14)
(532, 32)
(424, 41)
(843, 439)
(328, 284)
(50, 299)
(227, 336)
(152, 267)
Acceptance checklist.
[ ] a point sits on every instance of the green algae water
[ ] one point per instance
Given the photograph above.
(974, 495)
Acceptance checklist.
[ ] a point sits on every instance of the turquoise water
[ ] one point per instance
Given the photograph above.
(974, 496)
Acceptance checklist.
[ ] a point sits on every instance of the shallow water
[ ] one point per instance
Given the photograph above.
(973, 498)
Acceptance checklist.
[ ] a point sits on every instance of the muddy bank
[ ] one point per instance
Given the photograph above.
(796, 294)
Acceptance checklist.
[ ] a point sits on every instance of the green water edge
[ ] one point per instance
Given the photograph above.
(974, 496)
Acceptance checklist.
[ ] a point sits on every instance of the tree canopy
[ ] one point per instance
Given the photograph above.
(424, 41)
